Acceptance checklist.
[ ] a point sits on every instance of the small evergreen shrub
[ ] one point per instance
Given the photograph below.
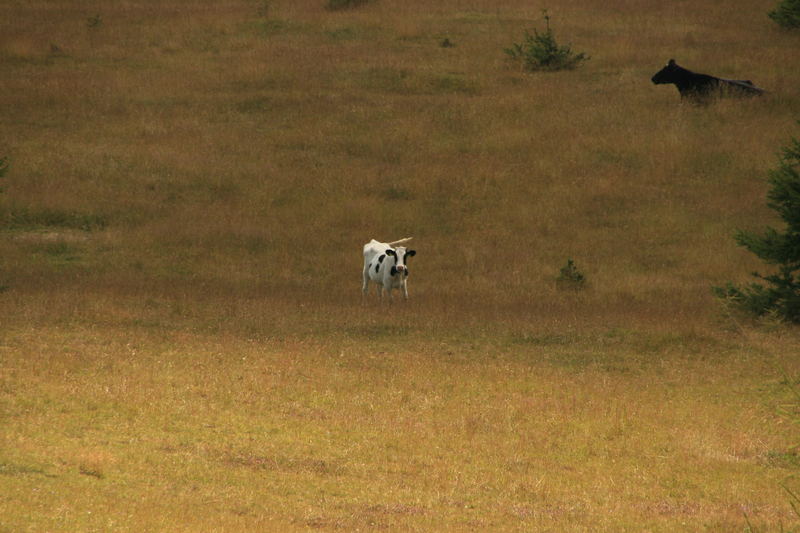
(781, 293)
(786, 14)
(540, 51)
(569, 277)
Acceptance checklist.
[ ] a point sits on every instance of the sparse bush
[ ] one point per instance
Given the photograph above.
(787, 14)
(540, 51)
(335, 5)
(569, 277)
(781, 295)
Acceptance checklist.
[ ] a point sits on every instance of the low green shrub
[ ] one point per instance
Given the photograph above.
(569, 277)
(540, 51)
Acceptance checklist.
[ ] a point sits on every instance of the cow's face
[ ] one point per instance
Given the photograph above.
(666, 74)
(400, 255)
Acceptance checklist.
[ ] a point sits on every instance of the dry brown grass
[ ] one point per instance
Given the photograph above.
(183, 344)
(126, 429)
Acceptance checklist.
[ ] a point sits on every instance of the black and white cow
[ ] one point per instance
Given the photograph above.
(702, 87)
(385, 264)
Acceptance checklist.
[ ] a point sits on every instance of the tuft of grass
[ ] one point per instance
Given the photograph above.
(569, 277)
(94, 21)
(794, 500)
(270, 27)
(91, 471)
(396, 192)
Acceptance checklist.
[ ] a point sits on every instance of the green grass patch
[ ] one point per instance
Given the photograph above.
(386, 79)
(14, 469)
(30, 218)
(784, 459)
(60, 250)
(353, 33)
(337, 5)
(453, 84)
(273, 27)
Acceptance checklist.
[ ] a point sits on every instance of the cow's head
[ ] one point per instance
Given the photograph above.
(400, 255)
(666, 74)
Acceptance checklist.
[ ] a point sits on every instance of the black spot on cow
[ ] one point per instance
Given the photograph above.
(703, 87)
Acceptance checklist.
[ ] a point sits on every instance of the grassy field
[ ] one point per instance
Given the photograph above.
(183, 342)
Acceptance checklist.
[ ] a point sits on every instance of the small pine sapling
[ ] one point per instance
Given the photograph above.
(540, 51)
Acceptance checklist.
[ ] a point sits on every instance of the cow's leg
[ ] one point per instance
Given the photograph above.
(405, 291)
(365, 284)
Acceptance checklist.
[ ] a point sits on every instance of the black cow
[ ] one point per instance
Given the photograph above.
(700, 87)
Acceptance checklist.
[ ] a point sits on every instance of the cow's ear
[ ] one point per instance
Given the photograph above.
(671, 63)
(391, 252)
(411, 252)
